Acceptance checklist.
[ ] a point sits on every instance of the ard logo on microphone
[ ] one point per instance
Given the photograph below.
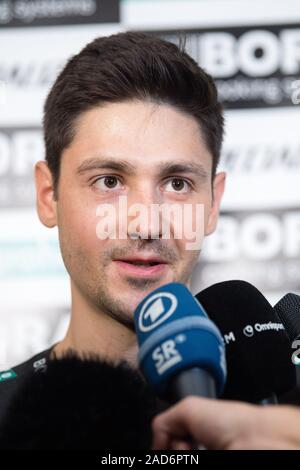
(156, 310)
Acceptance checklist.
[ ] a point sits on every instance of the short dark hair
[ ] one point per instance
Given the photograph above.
(130, 66)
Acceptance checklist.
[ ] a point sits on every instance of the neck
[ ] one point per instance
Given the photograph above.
(92, 331)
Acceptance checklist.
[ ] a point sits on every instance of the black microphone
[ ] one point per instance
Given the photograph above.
(288, 310)
(258, 352)
(80, 404)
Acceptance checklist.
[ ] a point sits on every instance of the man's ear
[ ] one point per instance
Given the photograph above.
(218, 190)
(45, 201)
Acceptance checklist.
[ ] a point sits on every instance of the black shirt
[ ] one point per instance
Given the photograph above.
(12, 379)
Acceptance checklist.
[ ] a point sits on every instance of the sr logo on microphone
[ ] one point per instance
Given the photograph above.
(156, 310)
(167, 355)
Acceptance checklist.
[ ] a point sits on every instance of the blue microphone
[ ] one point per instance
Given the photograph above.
(181, 350)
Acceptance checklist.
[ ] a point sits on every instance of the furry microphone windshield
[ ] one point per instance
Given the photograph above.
(81, 404)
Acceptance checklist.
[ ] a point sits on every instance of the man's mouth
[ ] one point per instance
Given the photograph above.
(141, 263)
(141, 267)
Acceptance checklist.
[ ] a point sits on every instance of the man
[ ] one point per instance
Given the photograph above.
(131, 115)
(134, 116)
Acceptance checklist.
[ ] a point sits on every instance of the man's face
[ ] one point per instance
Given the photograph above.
(134, 146)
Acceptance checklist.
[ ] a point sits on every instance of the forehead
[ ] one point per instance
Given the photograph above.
(142, 133)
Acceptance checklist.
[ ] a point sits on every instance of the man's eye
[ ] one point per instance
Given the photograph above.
(107, 182)
(178, 185)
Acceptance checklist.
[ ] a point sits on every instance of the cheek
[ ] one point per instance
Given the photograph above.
(196, 218)
(206, 202)
(77, 226)
(207, 210)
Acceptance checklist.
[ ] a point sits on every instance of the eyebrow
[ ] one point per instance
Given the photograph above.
(183, 167)
(164, 168)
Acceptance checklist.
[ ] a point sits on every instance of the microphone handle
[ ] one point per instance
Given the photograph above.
(298, 376)
(193, 381)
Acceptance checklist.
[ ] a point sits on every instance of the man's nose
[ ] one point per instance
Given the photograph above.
(144, 218)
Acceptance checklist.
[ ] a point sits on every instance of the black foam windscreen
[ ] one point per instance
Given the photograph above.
(258, 351)
(288, 310)
(80, 404)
